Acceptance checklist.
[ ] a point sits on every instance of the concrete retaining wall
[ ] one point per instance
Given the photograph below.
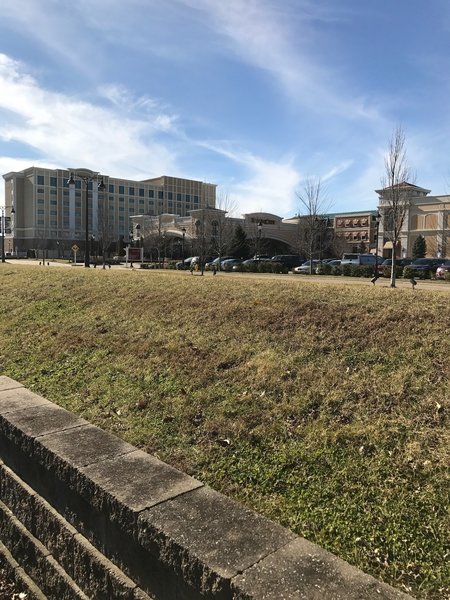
(85, 515)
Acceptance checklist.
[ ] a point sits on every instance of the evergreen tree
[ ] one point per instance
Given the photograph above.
(239, 246)
(420, 247)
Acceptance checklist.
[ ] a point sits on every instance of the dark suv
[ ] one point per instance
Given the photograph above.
(421, 265)
(289, 260)
(400, 262)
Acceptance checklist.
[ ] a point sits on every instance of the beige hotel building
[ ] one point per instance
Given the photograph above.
(48, 213)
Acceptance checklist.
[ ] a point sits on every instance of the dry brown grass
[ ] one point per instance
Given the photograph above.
(323, 406)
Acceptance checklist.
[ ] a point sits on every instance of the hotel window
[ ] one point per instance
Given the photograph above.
(65, 193)
(41, 211)
(40, 200)
(53, 192)
(178, 197)
(121, 199)
(121, 189)
(169, 196)
(54, 213)
(78, 194)
(78, 184)
(131, 209)
(188, 197)
(141, 192)
(160, 195)
(195, 199)
(53, 181)
(121, 209)
(131, 201)
(40, 221)
(40, 190)
(53, 223)
(40, 180)
(141, 201)
(131, 191)
(111, 188)
(151, 193)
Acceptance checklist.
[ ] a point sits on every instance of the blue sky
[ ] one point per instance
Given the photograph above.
(253, 95)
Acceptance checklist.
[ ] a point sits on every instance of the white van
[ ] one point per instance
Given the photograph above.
(360, 260)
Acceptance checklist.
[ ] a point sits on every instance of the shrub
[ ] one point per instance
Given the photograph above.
(336, 270)
(265, 266)
(408, 272)
(447, 277)
(347, 270)
(398, 271)
(324, 269)
(277, 267)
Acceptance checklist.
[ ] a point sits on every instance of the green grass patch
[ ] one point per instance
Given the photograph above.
(325, 407)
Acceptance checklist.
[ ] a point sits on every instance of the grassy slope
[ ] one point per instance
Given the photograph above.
(324, 407)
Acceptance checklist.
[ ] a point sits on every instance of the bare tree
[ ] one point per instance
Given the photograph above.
(313, 205)
(395, 193)
(221, 225)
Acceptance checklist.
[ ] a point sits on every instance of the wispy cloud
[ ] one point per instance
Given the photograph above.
(66, 130)
(267, 185)
(281, 39)
(129, 137)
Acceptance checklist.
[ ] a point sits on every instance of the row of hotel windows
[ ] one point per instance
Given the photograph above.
(121, 190)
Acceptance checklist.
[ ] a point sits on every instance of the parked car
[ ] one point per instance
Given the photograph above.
(209, 266)
(183, 265)
(387, 262)
(361, 260)
(228, 264)
(443, 269)
(250, 263)
(306, 267)
(421, 265)
(289, 260)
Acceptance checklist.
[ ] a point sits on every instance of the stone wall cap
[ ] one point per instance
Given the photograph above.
(43, 419)
(224, 537)
(85, 445)
(138, 480)
(19, 398)
(302, 570)
(6, 383)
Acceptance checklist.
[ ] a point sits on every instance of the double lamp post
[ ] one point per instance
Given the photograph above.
(87, 176)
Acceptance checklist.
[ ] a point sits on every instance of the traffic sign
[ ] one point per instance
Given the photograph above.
(75, 248)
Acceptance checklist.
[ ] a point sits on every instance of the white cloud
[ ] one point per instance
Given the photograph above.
(281, 39)
(123, 139)
(65, 130)
(268, 186)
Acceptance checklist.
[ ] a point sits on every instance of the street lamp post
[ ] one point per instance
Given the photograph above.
(87, 176)
(3, 227)
(377, 229)
(258, 240)
(183, 233)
